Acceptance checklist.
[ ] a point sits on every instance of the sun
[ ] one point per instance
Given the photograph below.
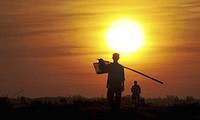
(125, 36)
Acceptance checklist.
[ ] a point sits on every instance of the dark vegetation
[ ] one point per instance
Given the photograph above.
(79, 107)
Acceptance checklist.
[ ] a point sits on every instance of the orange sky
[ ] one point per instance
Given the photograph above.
(47, 47)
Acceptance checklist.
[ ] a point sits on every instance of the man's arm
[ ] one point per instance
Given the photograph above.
(103, 66)
(123, 78)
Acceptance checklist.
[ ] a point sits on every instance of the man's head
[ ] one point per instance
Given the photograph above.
(115, 56)
(135, 82)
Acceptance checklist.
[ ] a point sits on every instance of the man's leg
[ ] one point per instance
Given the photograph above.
(138, 99)
(118, 100)
(110, 96)
(133, 98)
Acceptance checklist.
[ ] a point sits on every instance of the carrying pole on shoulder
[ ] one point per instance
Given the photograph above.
(144, 75)
(99, 71)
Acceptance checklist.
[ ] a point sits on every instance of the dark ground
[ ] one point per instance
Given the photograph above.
(96, 110)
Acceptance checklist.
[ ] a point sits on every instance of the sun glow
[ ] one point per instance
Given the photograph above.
(125, 36)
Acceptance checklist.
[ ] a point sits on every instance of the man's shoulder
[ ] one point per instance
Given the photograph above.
(121, 65)
(116, 64)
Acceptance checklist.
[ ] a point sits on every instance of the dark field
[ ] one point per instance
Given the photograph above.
(81, 108)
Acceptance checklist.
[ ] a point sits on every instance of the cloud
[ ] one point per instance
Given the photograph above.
(45, 52)
(181, 49)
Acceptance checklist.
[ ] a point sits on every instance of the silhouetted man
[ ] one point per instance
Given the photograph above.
(115, 83)
(136, 90)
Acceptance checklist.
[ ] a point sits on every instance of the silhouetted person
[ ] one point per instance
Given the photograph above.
(136, 91)
(115, 83)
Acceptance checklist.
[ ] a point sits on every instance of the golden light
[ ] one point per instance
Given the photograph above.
(125, 36)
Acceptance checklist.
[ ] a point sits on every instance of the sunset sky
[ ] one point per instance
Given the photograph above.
(48, 47)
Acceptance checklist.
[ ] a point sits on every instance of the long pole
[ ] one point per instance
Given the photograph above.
(144, 75)
(137, 72)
